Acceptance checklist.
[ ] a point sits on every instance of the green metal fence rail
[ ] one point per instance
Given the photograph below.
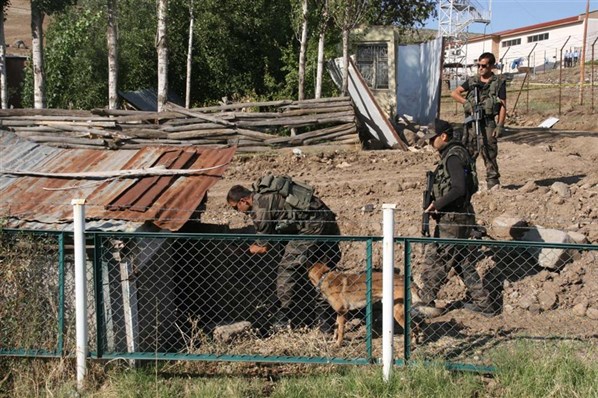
(170, 296)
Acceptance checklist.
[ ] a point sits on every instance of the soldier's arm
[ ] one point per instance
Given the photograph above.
(264, 221)
(502, 96)
(457, 95)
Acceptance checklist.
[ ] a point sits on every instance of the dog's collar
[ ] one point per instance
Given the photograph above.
(319, 286)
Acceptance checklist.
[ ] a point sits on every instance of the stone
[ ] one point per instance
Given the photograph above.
(550, 258)
(507, 226)
(577, 237)
(561, 189)
(529, 186)
(226, 333)
(592, 313)
(580, 309)
(547, 300)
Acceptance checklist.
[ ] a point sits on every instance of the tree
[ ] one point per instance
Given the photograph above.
(162, 47)
(3, 82)
(322, 29)
(302, 49)
(112, 35)
(347, 15)
(40, 8)
(189, 55)
(401, 13)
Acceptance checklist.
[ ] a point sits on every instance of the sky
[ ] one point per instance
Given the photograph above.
(510, 14)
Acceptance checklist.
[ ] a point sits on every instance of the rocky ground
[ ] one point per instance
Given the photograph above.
(549, 179)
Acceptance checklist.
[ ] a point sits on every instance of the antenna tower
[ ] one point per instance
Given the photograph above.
(454, 19)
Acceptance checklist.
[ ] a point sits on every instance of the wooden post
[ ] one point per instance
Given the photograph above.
(561, 75)
(592, 75)
(582, 59)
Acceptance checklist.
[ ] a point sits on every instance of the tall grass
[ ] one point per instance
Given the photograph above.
(528, 369)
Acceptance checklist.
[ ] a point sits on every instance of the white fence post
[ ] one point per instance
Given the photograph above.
(80, 289)
(388, 260)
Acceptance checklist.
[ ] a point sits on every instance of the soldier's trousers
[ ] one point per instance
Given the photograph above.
(299, 255)
(488, 147)
(440, 258)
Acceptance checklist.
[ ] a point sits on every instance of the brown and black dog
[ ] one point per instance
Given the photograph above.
(347, 291)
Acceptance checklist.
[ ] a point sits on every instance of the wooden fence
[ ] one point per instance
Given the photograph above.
(253, 127)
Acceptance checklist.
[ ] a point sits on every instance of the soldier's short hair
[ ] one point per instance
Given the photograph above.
(236, 193)
(489, 56)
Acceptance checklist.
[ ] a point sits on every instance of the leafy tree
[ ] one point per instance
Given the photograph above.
(40, 8)
(400, 12)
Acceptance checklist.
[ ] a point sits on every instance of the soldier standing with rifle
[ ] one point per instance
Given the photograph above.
(485, 107)
(449, 203)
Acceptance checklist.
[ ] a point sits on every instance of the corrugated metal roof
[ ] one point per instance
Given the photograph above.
(526, 29)
(166, 201)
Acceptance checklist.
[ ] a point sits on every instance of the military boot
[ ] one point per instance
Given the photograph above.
(491, 183)
(484, 309)
(325, 318)
(281, 320)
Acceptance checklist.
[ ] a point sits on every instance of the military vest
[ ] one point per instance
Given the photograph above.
(488, 94)
(298, 203)
(442, 179)
(297, 194)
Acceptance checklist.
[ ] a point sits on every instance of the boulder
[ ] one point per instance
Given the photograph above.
(551, 258)
(507, 226)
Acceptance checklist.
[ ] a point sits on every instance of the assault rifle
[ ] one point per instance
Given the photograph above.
(477, 114)
(426, 202)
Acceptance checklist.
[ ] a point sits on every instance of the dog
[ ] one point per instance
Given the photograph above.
(347, 291)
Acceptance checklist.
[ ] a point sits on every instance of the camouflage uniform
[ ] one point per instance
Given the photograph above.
(455, 221)
(271, 214)
(489, 98)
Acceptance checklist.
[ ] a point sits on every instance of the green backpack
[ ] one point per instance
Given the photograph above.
(297, 194)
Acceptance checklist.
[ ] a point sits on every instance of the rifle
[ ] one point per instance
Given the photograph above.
(476, 115)
(426, 202)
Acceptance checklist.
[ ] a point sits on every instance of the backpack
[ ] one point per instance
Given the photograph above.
(297, 194)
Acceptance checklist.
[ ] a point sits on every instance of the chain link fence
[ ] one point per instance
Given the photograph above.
(204, 297)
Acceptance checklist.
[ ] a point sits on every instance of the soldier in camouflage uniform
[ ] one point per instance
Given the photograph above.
(279, 205)
(493, 98)
(455, 182)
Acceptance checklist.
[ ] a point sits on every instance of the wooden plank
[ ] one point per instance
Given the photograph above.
(241, 105)
(183, 111)
(44, 112)
(185, 135)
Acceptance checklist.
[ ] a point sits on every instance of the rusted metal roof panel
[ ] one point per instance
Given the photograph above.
(166, 201)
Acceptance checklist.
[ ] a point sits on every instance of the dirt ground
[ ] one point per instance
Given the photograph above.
(355, 183)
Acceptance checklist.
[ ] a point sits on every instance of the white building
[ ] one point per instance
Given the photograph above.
(540, 45)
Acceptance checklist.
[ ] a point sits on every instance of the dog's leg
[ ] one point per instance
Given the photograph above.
(399, 314)
(340, 331)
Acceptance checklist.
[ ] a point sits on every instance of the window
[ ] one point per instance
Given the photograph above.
(541, 36)
(509, 43)
(372, 62)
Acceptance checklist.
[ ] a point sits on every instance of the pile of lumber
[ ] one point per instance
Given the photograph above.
(252, 127)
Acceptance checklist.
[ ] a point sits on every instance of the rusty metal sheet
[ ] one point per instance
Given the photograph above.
(46, 200)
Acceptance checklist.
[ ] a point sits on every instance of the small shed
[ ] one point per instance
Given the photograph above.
(125, 191)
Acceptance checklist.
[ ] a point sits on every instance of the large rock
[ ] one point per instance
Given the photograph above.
(551, 258)
(226, 333)
(507, 226)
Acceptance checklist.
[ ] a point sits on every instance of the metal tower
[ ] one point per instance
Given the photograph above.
(454, 18)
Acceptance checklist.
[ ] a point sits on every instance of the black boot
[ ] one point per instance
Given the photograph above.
(326, 318)
(281, 320)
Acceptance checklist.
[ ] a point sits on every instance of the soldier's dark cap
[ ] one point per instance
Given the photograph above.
(438, 127)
